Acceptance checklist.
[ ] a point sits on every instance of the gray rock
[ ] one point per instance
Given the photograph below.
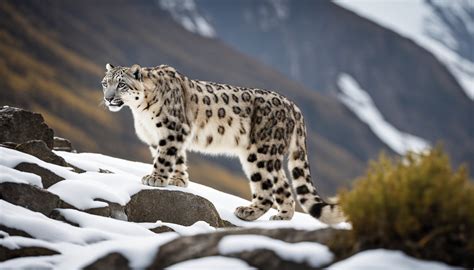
(177, 207)
(14, 232)
(162, 229)
(18, 126)
(7, 254)
(111, 261)
(62, 144)
(30, 197)
(205, 245)
(40, 150)
(113, 210)
(48, 178)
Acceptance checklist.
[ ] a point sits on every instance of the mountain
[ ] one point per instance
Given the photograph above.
(52, 60)
(418, 89)
(444, 28)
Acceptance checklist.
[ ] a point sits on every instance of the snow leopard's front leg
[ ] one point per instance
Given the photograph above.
(180, 175)
(169, 156)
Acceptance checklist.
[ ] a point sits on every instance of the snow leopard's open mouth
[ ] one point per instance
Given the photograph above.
(115, 105)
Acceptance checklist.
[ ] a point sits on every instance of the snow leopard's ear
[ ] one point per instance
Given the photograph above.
(109, 67)
(136, 72)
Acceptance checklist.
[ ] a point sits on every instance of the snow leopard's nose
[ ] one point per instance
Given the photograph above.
(109, 99)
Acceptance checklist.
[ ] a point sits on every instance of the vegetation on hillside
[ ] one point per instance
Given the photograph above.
(418, 204)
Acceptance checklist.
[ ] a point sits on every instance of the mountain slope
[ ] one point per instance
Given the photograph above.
(52, 58)
(316, 42)
(73, 236)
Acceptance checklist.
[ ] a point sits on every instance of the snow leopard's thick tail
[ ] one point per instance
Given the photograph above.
(306, 193)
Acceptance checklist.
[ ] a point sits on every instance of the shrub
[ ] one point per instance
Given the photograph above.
(417, 204)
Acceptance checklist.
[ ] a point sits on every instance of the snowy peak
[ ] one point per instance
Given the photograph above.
(186, 13)
(445, 28)
(267, 15)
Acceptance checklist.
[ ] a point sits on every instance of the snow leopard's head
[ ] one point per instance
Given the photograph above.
(122, 86)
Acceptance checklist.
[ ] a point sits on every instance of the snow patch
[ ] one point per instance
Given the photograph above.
(211, 262)
(362, 105)
(418, 21)
(314, 254)
(186, 13)
(11, 175)
(41, 227)
(126, 180)
(387, 260)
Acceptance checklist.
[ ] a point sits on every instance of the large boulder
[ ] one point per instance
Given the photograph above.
(178, 207)
(18, 126)
(205, 245)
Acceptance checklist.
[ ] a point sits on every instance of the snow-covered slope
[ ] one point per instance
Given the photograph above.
(95, 236)
(362, 105)
(445, 28)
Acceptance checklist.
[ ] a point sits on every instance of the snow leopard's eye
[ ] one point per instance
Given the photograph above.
(121, 85)
(104, 84)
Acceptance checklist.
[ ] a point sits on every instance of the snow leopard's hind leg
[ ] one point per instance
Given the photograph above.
(261, 184)
(281, 191)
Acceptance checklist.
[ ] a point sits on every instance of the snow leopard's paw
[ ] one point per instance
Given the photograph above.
(280, 217)
(154, 180)
(179, 182)
(248, 213)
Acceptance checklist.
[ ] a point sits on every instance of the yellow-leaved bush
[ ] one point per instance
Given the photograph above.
(417, 204)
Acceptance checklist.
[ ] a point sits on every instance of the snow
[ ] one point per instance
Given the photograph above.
(185, 12)
(212, 262)
(362, 105)
(79, 246)
(418, 21)
(127, 181)
(96, 236)
(85, 190)
(387, 260)
(11, 175)
(313, 254)
(11, 158)
(196, 228)
(41, 227)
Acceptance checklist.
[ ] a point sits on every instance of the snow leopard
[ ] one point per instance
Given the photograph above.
(174, 114)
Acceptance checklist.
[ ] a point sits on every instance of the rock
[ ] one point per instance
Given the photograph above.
(13, 231)
(267, 259)
(113, 210)
(104, 171)
(162, 229)
(61, 144)
(205, 245)
(18, 126)
(7, 254)
(48, 178)
(30, 197)
(40, 150)
(178, 207)
(10, 145)
(110, 261)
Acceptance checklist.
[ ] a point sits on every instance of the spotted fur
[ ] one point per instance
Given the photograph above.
(174, 114)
